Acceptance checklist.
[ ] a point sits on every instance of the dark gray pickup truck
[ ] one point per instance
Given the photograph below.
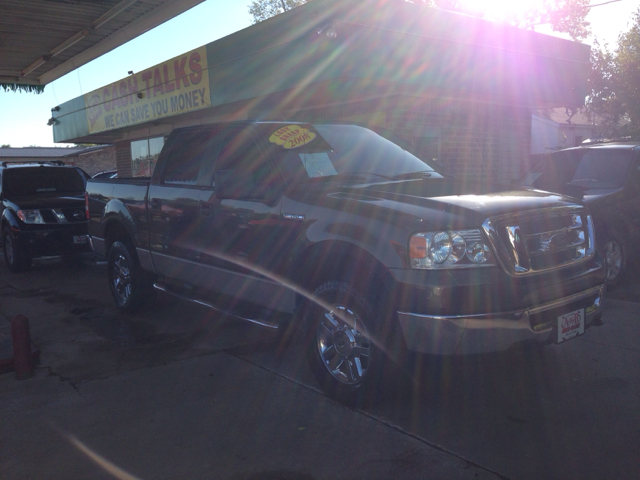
(370, 250)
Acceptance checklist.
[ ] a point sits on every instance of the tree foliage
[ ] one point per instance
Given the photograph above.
(627, 73)
(615, 84)
(262, 9)
(603, 105)
(565, 16)
(16, 87)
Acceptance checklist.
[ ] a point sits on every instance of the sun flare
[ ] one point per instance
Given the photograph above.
(502, 9)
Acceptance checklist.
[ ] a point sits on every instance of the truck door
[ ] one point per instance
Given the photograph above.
(241, 224)
(174, 203)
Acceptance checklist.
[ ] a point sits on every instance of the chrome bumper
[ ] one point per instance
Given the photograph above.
(467, 334)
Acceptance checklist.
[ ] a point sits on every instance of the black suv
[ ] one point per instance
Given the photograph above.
(606, 175)
(43, 211)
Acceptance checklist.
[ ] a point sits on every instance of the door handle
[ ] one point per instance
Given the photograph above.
(156, 204)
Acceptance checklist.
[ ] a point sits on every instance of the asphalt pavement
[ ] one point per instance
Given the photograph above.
(181, 392)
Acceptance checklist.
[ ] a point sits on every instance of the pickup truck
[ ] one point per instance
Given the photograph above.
(334, 229)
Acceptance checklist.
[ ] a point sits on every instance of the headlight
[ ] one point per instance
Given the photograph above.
(30, 216)
(450, 249)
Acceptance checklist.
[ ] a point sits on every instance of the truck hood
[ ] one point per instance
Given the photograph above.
(45, 201)
(438, 203)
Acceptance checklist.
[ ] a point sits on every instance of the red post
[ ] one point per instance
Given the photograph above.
(21, 337)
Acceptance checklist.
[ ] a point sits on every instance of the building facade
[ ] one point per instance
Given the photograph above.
(91, 159)
(460, 90)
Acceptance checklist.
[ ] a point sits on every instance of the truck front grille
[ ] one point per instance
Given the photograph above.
(541, 240)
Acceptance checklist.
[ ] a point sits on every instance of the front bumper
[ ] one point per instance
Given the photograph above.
(54, 241)
(468, 334)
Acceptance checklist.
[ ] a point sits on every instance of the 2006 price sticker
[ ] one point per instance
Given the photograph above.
(570, 325)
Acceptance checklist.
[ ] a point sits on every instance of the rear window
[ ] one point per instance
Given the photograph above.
(41, 181)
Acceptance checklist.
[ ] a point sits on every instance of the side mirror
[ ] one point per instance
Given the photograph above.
(234, 184)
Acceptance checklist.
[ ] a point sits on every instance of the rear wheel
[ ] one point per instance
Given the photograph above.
(130, 286)
(15, 259)
(342, 352)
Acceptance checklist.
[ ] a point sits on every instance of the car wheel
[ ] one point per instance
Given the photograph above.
(130, 286)
(341, 350)
(614, 252)
(16, 261)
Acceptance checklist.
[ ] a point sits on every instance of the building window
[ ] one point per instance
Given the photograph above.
(144, 154)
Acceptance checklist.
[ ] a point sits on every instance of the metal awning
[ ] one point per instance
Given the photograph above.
(42, 40)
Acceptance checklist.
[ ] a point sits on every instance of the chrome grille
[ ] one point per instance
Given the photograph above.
(62, 215)
(541, 240)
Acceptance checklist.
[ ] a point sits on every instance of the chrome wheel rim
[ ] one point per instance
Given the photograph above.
(121, 279)
(613, 255)
(343, 345)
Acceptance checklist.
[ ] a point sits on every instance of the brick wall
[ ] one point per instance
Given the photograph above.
(123, 159)
(483, 143)
(480, 142)
(97, 161)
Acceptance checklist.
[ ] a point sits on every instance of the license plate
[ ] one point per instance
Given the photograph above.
(80, 239)
(570, 325)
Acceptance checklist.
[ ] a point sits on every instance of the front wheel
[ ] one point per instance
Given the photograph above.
(15, 259)
(130, 286)
(615, 259)
(342, 354)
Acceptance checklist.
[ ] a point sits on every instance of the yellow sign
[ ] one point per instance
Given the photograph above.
(177, 86)
(292, 136)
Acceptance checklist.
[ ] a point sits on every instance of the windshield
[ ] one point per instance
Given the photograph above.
(350, 152)
(41, 180)
(588, 169)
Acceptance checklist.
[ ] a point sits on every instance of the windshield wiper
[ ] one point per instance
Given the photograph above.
(423, 175)
(351, 177)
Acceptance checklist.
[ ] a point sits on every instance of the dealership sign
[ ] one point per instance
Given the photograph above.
(176, 86)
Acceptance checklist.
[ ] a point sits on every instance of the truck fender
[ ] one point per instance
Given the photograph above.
(118, 224)
(337, 260)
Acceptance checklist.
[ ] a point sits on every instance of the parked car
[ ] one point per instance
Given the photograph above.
(606, 176)
(369, 250)
(42, 211)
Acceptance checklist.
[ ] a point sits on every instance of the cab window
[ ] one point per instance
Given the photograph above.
(191, 153)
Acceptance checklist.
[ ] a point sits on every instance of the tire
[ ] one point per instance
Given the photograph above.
(131, 287)
(13, 256)
(341, 350)
(614, 252)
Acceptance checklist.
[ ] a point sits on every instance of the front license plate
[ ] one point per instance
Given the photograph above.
(570, 325)
(80, 239)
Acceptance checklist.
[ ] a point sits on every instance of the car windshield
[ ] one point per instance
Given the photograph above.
(348, 152)
(588, 169)
(41, 180)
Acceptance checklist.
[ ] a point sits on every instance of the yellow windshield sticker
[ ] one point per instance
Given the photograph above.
(292, 136)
